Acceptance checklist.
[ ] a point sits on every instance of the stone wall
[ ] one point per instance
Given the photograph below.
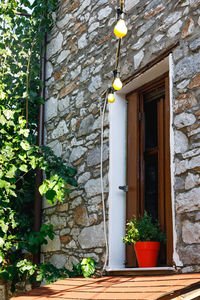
(81, 58)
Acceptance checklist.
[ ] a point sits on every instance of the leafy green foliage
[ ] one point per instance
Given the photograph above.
(143, 229)
(21, 49)
(18, 159)
(87, 267)
(33, 240)
(49, 273)
(132, 234)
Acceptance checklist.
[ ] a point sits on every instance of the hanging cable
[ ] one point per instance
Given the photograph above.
(117, 54)
(120, 30)
(122, 5)
(102, 113)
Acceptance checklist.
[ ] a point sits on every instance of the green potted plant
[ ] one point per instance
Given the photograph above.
(146, 237)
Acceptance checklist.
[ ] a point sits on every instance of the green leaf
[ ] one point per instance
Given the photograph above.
(3, 184)
(1, 242)
(25, 145)
(87, 267)
(51, 196)
(39, 277)
(44, 187)
(2, 120)
(33, 162)
(3, 226)
(23, 168)
(1, 260)
(9, 113)
(11, 172)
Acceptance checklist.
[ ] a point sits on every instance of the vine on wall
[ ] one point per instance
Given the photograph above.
(22, 30)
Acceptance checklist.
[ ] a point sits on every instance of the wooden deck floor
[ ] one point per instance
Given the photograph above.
(116, 287)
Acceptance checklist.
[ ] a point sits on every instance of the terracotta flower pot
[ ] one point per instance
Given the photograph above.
(147, 253)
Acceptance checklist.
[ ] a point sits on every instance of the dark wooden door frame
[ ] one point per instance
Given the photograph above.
(133, 152)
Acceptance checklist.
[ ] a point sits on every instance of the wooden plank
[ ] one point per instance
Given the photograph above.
(118, 287)
(141, 160)
(161, 171)
(132, 168)
(168, 202)
(161, 204)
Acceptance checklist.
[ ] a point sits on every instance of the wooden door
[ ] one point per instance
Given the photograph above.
(148, 161)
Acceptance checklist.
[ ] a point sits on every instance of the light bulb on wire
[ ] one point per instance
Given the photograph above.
(111, 97)
(120, 29)
(117, 84)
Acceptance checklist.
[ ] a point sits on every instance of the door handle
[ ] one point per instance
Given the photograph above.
(124, 188)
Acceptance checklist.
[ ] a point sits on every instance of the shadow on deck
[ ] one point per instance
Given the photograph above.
(161, 287)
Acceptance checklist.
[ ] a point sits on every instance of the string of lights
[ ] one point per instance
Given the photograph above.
(120, 30)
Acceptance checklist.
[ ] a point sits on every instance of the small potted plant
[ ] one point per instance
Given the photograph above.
(146, 237)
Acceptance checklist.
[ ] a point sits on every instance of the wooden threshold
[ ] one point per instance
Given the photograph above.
(141, 271)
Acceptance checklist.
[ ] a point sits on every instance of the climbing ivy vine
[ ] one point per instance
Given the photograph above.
(22, 28)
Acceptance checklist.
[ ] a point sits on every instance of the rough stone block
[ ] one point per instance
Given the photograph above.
(183, 120)
(180, 142)
(83, 6)
(184, 101)
(191, 232)
(86, 125)
(195, 81)
(63, 103)
(104, 13)
(50, 109)
(67, 90)
(82, 42)
(174, 29)
(60, 130)
(189, 201)
(171, 19)
(145, 27)
(84, 177)
(190, 255)
(58, 260)
(141, 42)
(81, 216)
(77, 153)
(194, 3)
(52, 245)
(188, 28)
(55, 45)
(63, 55)
(191, 181)
(153, 12)
(138, 59)
(93, 156)
(49, 70)
(187, 67)
(130, 4)
(57, 221)
(92, 237)
(69, 262)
